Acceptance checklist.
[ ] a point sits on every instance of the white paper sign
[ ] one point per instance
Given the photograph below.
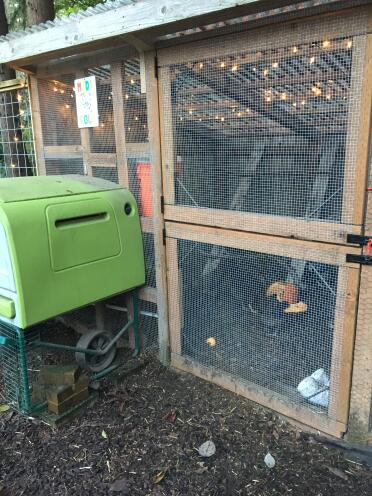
(86, 102)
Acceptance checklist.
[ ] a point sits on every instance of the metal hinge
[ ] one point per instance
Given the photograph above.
(156, 70)
(162, 204)
(164, 236)
(363, 242)
(357, 239)
(360, 259)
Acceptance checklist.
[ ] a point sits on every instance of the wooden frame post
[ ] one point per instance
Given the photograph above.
(157, 193)
(36, 125)
(119, 126)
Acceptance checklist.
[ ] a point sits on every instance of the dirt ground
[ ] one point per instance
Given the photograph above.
(140, 438)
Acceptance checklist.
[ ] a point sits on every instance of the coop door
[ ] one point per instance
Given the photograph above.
(270, 319)
(260, 129)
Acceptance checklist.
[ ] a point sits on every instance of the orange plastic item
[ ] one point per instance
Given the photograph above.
(145, 191)
(290, 293)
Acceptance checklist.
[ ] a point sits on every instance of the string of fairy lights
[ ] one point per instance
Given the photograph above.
(325, 90)
(207, 109)
(63, 89)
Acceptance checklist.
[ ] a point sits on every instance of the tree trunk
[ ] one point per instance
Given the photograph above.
(38, 11)
(14, 152)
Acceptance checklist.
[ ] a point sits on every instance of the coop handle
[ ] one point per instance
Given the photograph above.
(80, 219)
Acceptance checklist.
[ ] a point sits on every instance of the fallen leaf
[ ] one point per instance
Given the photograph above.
(159, 477)
(269, 460)
(4, 408)
(120, 486)
(276, 434)
(171, 416)
(338, 472)
(104, 435)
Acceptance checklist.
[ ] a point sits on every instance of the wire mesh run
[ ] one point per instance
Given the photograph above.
(17, 155)
(265, 319)
(265, 130)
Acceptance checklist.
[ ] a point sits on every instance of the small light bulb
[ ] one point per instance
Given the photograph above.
(312, 60)
(12, 165)
(239, 114)
(222, 65)
(190, 112)
(326, 44)
(303, 102)
(328, 97)
(136, 118)
(201, 65)
(294, 104)
(234, 68)
(222, 119)
(16, 138)
(266, 72)
(67, 106)
(268, 99)
(128, 128)
(294, 49)
(55, 89)
(62, 91)
(126, 96)
(349, 43)
(283, 96)
(102, 124)
(132, 81)
(275, 65)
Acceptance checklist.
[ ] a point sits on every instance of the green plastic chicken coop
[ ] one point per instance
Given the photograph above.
(65, 242)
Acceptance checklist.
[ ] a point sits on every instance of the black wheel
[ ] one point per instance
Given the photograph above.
(95, 340)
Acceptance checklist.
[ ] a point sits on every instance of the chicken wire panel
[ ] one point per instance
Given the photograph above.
(17, 153)
(263, 128)
(64, 166)
(58, 111)
(108, 173)
(102, 138)
(266, 319)
(134, 100)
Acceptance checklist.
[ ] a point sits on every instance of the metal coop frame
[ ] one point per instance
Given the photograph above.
(250, 122)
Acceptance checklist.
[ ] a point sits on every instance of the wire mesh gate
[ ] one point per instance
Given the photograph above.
(260, 134)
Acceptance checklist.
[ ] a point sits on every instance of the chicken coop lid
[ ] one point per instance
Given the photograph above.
(33, 188)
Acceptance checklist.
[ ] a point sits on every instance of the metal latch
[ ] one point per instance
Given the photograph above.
(364, 242)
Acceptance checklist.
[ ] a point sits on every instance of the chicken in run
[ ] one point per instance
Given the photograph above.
(287, 292)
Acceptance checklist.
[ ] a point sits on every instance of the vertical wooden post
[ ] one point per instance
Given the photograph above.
(36, 125)
(167, 145)
(157, 193)
(119, 124)
(175, 298)
(343, 343)
(361, 390)
(364, 135)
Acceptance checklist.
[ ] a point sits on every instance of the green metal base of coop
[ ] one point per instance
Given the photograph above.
(17, 345)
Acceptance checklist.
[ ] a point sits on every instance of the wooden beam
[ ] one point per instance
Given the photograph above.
(63, 151)
(119, 124)
(128, 19)
(266, 224)
(36, 125)
(167, 143)
(68, 65)
(261, 395)
(272, 245)
(343, 343)
(364, 135)
(152, 100)
(12, 84)
(148, 293)
(174, 297)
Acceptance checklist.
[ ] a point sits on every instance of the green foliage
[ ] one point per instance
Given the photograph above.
(65, 7)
